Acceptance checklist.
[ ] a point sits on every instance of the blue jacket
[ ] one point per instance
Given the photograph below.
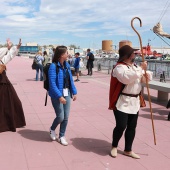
(56, 80)
(77, 62)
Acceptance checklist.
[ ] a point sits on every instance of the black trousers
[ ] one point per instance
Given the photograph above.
(90, 72)
(90, 67)
(128, 122)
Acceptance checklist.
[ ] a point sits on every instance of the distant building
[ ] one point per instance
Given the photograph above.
(29, 48)
(48, 48)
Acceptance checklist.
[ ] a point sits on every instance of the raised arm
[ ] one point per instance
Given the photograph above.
(4, 50)
(13, 51)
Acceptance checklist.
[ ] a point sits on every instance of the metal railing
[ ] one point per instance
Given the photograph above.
(153, 65)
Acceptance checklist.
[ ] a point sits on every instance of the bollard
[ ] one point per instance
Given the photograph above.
(99, 67)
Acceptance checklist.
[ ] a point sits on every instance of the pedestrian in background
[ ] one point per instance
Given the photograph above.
(61, 90)
(53, 52)
(77, 65)
(70, 60)
(46, 58)
(90, 59)
(81, 63)
(39, 66)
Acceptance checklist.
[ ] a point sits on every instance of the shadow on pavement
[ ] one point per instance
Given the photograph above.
(98, 146)
(155, 117)
(154, 100)
(157, 114)
(36, 135)
(159, 111)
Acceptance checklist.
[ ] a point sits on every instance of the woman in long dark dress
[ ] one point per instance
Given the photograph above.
(11, 111)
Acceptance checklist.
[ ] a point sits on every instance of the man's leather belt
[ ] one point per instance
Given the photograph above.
(131, 95)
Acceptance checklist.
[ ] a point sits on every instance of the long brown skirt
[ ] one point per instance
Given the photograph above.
(11, 111)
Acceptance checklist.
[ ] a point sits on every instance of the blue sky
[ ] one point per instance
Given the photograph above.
(83, 23)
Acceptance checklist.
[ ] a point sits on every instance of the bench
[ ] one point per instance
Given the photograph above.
(162, 88)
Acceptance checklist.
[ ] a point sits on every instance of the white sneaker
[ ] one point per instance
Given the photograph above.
(53, 134)
(63, 141)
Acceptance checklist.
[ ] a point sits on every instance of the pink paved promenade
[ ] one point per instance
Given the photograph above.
(89, 131)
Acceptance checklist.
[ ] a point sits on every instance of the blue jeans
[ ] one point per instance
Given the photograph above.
(39, 67)
(62, 113)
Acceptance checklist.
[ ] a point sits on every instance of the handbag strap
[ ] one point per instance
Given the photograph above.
(37, 58)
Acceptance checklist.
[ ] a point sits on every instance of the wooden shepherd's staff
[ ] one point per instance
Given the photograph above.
(143, 59)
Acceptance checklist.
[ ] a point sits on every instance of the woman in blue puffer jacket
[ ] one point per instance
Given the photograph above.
(61, 90)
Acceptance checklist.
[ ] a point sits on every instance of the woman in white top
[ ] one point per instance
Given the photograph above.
(11, 111)
(40, 60)
(128, 104)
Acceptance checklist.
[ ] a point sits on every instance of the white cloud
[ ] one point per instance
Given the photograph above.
(75, 19)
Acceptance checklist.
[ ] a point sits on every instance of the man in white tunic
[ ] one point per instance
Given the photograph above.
(128, 103)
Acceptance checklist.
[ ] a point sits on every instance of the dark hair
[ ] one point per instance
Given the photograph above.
(45, 53)
(58, 52)
(88, 49)
(122, 58)
(77, 53)
(53, 49)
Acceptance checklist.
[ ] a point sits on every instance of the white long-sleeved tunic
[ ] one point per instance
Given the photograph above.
(130, 76)
(7, 55)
